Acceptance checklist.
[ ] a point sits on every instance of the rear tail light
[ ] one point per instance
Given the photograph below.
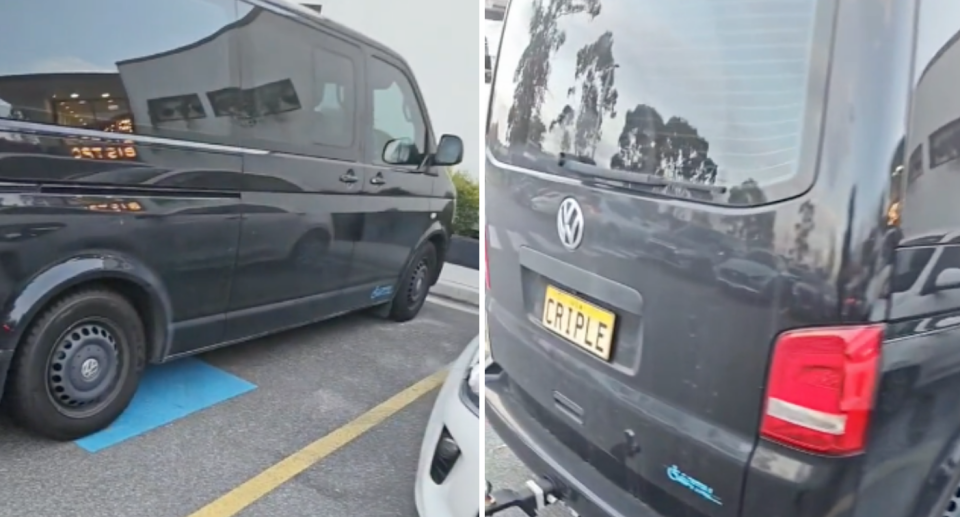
(821, 388)
(486, 258)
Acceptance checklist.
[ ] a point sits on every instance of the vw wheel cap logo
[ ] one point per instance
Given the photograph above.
(570, 223)
(90, 368)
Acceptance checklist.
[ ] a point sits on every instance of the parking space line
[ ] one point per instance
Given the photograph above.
(234, 501)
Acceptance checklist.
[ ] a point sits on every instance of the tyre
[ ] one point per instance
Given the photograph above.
(78, 367)
(414, 284)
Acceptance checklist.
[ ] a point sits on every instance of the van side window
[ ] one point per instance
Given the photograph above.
(334, 83)
(396, 112)
(116, 66)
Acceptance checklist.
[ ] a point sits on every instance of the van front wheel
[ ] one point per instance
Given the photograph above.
(414, 284)
(78, 367)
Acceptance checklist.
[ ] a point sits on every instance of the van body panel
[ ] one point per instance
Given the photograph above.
(701, 282)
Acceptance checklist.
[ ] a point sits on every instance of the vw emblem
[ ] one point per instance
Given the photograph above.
(570, 223)
(89, 368)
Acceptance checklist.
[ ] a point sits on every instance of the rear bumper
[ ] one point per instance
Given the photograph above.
(584, 489)
(6, 356)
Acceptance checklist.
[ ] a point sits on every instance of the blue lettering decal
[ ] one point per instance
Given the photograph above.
(381, 291)
(704, 491)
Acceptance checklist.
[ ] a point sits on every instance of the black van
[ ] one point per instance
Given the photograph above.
(180, 175)
(724, 255)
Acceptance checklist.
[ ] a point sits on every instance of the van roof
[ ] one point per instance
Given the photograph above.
(313, 15)
(289, 7)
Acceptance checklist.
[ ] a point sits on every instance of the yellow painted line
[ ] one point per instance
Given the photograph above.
(234, 501)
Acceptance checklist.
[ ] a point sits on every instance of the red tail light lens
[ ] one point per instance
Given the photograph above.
(486, 257)
(821, 388)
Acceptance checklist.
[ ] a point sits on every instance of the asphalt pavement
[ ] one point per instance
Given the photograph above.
(278, 427)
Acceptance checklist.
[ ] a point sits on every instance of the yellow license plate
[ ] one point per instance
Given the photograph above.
(579, 322)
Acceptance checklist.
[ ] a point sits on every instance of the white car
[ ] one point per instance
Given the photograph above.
(448, 479)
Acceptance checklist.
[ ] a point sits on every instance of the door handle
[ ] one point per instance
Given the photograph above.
(377, 180)
(349, 177)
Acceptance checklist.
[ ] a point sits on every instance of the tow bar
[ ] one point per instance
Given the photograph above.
(533, 497)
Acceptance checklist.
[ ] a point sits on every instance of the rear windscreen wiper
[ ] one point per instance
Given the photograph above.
(628, 178)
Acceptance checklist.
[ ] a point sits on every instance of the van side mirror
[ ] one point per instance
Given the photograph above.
(449, 151)
(948, 279)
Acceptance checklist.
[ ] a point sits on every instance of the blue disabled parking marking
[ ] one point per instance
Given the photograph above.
(168, 393)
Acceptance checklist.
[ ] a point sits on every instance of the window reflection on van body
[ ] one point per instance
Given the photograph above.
(230, 159)
(922, 362)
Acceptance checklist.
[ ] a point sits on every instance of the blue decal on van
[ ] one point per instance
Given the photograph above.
(381, 291)
(675, 475)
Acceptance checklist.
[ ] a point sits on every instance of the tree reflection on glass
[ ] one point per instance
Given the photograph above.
(802, 230)
(598, 95)
(673, 149)
(755, 230)
(563, 123)
(640, 140)
(524, 124)
(684, 154)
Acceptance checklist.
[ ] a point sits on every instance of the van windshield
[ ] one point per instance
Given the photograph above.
(697, 91)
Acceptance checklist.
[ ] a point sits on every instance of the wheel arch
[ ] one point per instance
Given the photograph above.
(118, 272)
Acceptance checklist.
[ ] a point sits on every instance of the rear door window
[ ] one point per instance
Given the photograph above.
(720, 93)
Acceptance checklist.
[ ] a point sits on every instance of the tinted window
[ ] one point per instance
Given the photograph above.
(117, 66)
(298, 92)
(334, 86)
(492, 26)
(694, 90)
(396, 111)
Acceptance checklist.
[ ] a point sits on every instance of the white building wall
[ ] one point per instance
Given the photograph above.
(929, 200)
(936, 101)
